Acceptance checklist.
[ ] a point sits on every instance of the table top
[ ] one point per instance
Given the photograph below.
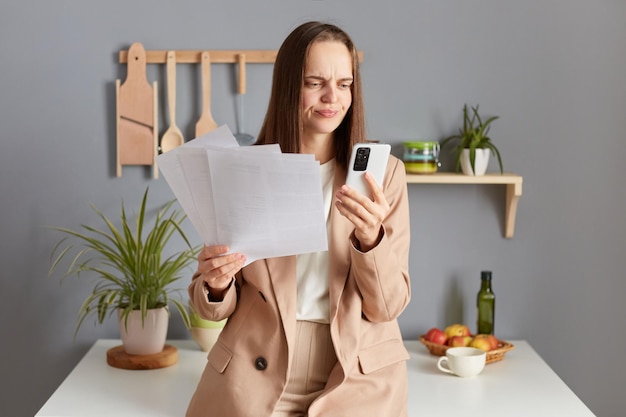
(520, 385)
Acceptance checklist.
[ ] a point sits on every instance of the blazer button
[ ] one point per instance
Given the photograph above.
(260, 363)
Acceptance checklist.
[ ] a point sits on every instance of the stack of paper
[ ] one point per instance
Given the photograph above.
(255, 199)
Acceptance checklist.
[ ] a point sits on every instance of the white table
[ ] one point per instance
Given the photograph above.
(521, 385)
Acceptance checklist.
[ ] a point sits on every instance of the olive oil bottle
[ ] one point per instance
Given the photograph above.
(486, 303)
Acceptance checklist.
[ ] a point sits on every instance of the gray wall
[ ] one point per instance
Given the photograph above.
(555, 71)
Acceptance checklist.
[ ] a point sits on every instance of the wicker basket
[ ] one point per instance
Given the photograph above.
(494, 355)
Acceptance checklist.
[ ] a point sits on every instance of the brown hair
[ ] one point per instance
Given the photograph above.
(283, 121)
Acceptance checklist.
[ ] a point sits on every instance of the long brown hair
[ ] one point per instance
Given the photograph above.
(283, 121)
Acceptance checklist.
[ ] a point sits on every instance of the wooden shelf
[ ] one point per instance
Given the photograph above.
(512, 181)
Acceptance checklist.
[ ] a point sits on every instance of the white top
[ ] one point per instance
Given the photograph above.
(312, 268)
(521, 385)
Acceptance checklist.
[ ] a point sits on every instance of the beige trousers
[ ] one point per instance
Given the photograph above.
(312, 361)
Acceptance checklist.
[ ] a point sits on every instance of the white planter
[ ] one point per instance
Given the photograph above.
(147, 339)
(481, 160)
(205, 337)
(205, 332)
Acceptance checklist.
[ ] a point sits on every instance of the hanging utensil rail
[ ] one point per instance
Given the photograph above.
(217, 56)
(127, 133)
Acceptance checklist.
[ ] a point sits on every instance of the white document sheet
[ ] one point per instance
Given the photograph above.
(256, 200)
(170, 167)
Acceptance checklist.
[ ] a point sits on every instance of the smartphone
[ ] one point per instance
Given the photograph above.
(370, 157)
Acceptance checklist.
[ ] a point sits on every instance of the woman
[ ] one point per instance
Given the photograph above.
(314, 334)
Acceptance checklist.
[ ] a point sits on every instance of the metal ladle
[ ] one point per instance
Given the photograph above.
(243, 139)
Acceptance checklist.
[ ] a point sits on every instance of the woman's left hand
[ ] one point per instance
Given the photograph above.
(366, 215)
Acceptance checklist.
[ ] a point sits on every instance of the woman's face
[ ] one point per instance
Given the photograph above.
(326, 91)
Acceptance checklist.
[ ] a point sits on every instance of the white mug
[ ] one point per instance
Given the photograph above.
(463, 361)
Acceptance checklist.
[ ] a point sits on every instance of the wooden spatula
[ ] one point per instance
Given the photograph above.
(172, 137)
(205, 122)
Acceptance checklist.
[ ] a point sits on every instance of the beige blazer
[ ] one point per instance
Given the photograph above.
(247, 368)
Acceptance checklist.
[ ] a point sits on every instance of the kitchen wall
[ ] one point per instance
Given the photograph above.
(554, 71)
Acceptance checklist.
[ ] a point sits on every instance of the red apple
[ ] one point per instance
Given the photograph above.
(494, 341)
(459, 341)
(457, 330)
(484, 342)
(436, 335)
(481, 342)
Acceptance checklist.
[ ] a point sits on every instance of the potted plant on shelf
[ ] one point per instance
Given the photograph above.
(132, 276)
(474, 145)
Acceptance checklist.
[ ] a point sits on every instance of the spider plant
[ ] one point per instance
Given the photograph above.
(473, 136)
(130, 270)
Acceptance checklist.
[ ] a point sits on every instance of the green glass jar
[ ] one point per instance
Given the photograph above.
(421, 157)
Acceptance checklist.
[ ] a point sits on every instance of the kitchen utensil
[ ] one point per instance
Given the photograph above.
(172, 137)
(205, 123)
(243, 139)
(136, 118)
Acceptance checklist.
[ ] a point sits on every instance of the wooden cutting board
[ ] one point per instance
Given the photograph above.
(118, 358)
(136, 114)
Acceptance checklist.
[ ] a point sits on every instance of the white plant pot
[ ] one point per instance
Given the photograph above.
(205, 337)
(147, 339)
(481, 160)
(205, 332)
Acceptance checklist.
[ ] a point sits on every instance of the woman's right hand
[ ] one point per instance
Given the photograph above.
(217, 269)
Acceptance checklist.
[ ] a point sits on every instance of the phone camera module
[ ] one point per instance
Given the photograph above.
(362, 156)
